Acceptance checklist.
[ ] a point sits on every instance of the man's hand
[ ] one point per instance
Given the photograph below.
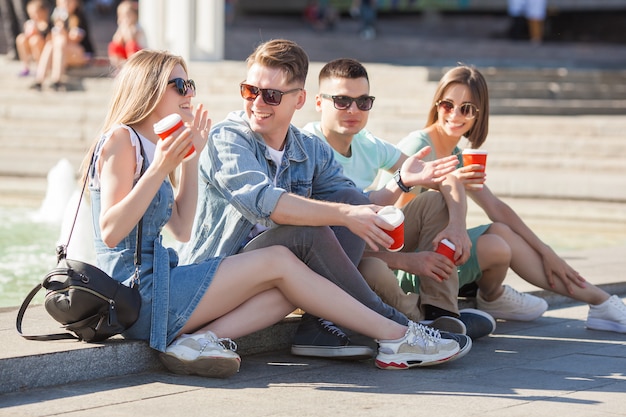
(461, 241)
(415, 172)
(427, 264)
(364, 222)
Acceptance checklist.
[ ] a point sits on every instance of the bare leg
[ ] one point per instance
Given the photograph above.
(527, 263)
(232, 300)
(58, 58)
(494, 258)
(45, 62)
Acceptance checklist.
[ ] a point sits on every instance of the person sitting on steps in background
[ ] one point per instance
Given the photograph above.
(129, 36)
(69, 45)
(36, 32)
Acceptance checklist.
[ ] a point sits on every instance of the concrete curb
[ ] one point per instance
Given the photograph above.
(116, 357)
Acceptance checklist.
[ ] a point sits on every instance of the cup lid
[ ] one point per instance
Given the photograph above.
(392, 215)
(474, 151)
(448, 244)
(167, 123)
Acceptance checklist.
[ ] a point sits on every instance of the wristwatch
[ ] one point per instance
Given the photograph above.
(401, 185)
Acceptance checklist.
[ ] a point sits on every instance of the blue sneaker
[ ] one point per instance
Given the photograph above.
(477, 322)
(321, 338)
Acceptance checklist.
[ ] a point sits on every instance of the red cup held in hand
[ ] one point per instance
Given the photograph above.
(446, 248)
(475, 156)
(168, 125)
(395, 217)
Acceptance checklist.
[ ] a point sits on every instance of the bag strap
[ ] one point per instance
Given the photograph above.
(62, 253)
(20, 316)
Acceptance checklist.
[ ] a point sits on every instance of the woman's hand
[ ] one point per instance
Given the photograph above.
(470, 176)
(556, 268)
(200, 128)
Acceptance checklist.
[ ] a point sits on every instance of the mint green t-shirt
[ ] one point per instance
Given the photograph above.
(369, 154)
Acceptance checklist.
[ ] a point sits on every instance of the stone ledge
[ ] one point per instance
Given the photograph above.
(27, 364)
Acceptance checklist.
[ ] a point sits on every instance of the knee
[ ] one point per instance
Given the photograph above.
(493, 250)
(371, 267)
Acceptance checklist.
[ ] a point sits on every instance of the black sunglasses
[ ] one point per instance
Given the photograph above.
(468, 110)
(363, 103)
(182, 86)
(270, 96)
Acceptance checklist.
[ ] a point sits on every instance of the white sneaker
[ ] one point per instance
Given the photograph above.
(609, 316)
(202, 354)
(513, 305)
(420, 346)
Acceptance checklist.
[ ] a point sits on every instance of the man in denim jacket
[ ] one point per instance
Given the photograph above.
(258, 172)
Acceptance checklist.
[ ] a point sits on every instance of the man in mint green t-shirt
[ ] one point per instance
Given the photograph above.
(344, 102)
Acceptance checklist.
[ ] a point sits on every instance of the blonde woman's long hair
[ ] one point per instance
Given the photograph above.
(137, 90)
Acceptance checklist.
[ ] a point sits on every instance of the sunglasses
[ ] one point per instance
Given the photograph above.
(363, 103)
(270, 96)
(468, 110)
(182, 86)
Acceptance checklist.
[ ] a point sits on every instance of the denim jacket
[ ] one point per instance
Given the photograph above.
(236, 188)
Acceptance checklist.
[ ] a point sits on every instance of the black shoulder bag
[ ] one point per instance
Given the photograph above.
(83, 298)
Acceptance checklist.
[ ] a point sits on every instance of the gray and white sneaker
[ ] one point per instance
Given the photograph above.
(202, 354)
(464, 341)
(420, 346)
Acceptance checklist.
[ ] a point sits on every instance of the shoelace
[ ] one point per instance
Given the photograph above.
(331, 328)
(420, 332)
(223, 342)
(514, 295)
(617, 303)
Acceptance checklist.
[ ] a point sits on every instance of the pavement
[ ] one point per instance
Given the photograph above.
(550, 366)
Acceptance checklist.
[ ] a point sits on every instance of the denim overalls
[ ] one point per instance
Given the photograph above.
(169, 293)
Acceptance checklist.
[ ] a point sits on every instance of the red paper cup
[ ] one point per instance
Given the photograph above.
(475, 156)
(446, 248)
(395, 217)
(168, 125)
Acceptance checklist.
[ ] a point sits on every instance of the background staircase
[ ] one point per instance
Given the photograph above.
(553, 133)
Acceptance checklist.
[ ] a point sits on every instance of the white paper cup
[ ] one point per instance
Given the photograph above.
(395, 217)
(168, 125)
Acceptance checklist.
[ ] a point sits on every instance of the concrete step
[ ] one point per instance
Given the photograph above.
(40, 128)
(552, 91)
(26, 364)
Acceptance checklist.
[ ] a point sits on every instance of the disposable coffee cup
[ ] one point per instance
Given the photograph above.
(446, 248)
(475, 156)
(168, 125)
(395, 217)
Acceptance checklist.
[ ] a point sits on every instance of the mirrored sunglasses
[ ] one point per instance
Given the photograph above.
(182, 86)
(467, 110)
(363, 103)
(269, 95)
